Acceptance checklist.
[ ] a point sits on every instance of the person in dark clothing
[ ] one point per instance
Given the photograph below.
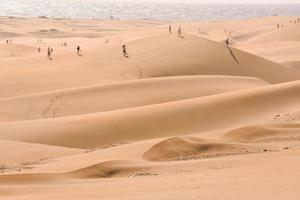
(49, 53)
(227, 41)
(78, 50)
(124, 50)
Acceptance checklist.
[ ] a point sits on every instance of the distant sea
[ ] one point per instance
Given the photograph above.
(101, 9)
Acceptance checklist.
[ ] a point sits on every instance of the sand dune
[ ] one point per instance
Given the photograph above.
(102, 98)
(157, 55)
(279, 45)
(27, 179)
(4, 34)
(179, 118)
(13, 50)
(220, 172)
(202, 119)
(109, 169)
(280, 52)
(29, 154)
(287, 33)
(293, 64)
(191, 148)
(264, 133)
(172, 54)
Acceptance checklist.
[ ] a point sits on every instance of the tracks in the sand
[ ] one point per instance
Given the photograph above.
(232, 55)
(53, 106)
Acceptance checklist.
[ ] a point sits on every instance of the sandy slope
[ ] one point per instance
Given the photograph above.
(154, 54)
(166, 119)
(280, 45)
(203, 120)
(24, 155)
(293, 64)
(94, 99)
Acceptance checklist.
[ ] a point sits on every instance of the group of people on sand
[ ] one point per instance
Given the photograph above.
(50, 50)
(297, 21)
(179, 31)
(8, 41)
(49, 53)
(124, 47)
(279, 25)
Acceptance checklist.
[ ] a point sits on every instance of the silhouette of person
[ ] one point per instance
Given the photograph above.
(179, 32)
(49, 53)
(227, 41)
(124, 50)
(78, 50)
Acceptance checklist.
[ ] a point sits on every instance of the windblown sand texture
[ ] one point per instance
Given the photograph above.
(179, 118)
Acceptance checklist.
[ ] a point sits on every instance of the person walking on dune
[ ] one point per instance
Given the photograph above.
(170, 29)
(124, 50)
(49, 53)
(78, 50)
(179, 32)
(227, 42)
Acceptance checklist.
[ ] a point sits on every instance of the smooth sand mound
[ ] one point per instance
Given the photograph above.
(15, 50)
(265, 133)
(109, 169)
(16, 156)
(125, 114)
(280, 52)
(30, 179)
(293, 64)
(19, 156)
(287, 33)
(170, 56)
(5, 34)
(235, 109)
(129, 94)
(152, 56)
(191, 148)
(51, 33)
(246, 37)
